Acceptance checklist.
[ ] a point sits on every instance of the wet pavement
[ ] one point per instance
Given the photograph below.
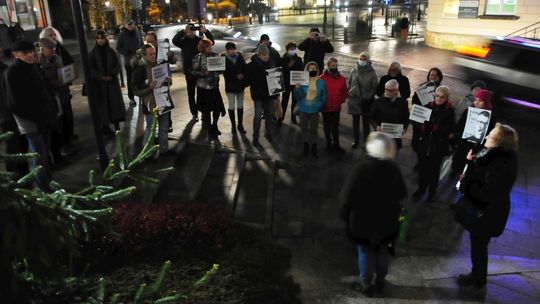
(304, 211)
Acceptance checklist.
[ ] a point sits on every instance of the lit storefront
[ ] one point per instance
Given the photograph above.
(451, 23)
(31, 15)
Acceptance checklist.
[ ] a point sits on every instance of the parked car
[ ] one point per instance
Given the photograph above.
(510, 66)
(221, 34)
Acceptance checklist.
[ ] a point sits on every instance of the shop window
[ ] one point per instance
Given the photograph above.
(30, 14)
(501, 7)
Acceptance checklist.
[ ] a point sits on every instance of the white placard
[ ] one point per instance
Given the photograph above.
(394, 130)
(160, 73)
(301, 77)
(274, 79)
(420, 114)
(214, 64)
(163, 99)
(476, 125)
(163, 48)
(66, 73)
(426, 93)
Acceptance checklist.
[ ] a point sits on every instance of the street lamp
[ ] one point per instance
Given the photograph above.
(170, 10)
(325, 18)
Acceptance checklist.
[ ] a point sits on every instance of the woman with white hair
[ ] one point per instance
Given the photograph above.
(53, 34)
(434, 142)
(371, 200)
(362, 84)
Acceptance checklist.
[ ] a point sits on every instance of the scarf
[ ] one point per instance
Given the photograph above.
(312, 89)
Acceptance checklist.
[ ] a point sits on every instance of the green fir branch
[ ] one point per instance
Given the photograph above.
(120, 145)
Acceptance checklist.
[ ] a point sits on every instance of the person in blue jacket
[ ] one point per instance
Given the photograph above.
(311, 98)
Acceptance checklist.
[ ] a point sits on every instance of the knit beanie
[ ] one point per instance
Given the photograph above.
(486, 96)
(262, 49)
(479, 84)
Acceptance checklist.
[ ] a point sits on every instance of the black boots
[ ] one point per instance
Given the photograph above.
(233, 121)
(240, 121)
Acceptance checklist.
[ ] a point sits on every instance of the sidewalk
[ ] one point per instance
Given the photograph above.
(323, 260)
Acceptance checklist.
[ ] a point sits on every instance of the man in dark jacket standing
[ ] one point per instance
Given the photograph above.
(394, 72)
(274, 54)
(187, 41)
(256, 78)
(128, 42)
(289, 62)
(32, 105)
(315, 46)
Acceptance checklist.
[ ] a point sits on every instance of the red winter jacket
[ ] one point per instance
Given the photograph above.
(336, 92)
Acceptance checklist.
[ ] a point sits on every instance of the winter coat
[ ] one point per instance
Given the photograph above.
(385, 110)
(108, 93)
(232, 70)
(434, 134)
(336, 92)
(198, 68)
(6, 117)
(256, 79)
(314, 106)
(189, 47)
(142, 76)
(61, 51)
(362, 83)
(371, 200)
(404, 85)
(128, 43)
(274, 54)
(315, 50)
(29, 96)
(487, 183)
(288, 64)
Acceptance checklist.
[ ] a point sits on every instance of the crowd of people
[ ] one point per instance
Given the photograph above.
(36, 107)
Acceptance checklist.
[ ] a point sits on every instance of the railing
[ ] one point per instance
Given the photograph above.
(530, 32)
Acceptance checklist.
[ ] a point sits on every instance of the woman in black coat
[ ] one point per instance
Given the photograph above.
(434, 78)
(487, 184)
(434, 143)
(104, 68)
(289, 62)
(372, 195)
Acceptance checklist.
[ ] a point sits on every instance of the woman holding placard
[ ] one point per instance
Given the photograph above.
(311, 98)
(104, 68)
(434, 142)
(209, 98)
(482, 100)
(289, 62)
(362, 84)
(425, 93)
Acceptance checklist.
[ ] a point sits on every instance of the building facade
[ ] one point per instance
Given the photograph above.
(451, 23)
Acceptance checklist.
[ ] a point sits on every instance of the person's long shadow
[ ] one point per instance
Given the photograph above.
(426, 293)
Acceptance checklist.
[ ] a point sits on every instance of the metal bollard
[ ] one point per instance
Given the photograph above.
(250, 21)
(333, 28)
(345, 36)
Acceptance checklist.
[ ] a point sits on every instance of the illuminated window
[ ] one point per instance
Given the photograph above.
(501, 7)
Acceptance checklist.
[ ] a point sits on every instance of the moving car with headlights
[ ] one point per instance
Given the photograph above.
(221, 34)
(510, 66)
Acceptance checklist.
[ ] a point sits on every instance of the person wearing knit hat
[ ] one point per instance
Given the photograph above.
(274, 54)
(485, 123)
(315, 46)
(46, 43)
(468, 100)
(255, 78)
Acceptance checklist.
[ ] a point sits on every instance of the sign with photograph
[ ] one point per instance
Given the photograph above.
(394, 130)
(476, 125)
(214, 64)
(301, 77)
(163, 99)
(426, 93)
(160, 73)
(274, 79)
(420, 114)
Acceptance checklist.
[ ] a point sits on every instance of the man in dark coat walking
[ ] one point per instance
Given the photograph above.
(128, 42)
(187, 41)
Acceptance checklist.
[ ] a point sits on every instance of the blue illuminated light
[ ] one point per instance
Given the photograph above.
(523, 103)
